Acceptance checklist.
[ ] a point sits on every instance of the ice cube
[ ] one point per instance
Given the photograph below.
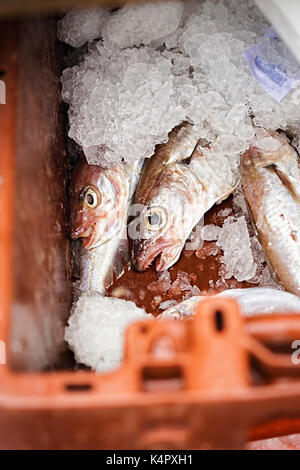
(263, 276)
(96, 328)
(162, 285)
(143, 23)
(224, 212)
(210, 232)
(237, 256)
(192, 292)
(79, 26)
(239, 202)
(182, 283)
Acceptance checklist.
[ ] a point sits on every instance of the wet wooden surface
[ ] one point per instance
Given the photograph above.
(8, 75)
(20, 8)
(41, 258)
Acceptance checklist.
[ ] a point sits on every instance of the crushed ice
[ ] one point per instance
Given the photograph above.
(96, 329)
(242, 255)
(187, 63)
(137, 25)
(79, 26)
(237, 256)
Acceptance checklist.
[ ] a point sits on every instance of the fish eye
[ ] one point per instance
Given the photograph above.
(91, 198)
(154, 218)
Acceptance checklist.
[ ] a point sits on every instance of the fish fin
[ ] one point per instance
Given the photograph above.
(120, 260)
(109, 279)
(76, 253)
(230, 191)
(121, 257)
(261, 157)
(264, 160)
(134, 172)
(185, 138)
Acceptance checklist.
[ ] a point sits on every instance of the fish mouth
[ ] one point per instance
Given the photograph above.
(87, 236)
(144, 255)
(168, 257)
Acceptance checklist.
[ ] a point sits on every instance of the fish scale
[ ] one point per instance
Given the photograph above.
(180, 146)
(180, 195)
(253, 301)
(274, 206)
(105, 225)
(279, 202)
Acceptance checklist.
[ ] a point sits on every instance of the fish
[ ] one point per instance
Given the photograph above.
(99, 202)
(271, 186)
(176, 198)
(181, 143)
(253, 301)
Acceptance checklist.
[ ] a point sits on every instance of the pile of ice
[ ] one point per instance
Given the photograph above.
(233, 238)
(158, 64)
(121, 105)
(263, 275)
(96, 330)
(182, 287)
(80, 26)
(242, 255)
(136, 25)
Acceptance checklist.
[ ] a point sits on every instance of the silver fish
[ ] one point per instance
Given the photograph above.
(253, 301)
(176, 201)
(182, 141)
(271, 184)
(99, 202)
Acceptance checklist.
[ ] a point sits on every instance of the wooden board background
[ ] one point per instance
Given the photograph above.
(41, 250)
(10, 8)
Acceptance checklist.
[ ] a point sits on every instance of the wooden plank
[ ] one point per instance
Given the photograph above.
(20, 8)
(34, 164)
(8, 74)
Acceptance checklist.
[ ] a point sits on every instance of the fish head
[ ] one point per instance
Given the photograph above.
(98, 202)
(161, 225)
